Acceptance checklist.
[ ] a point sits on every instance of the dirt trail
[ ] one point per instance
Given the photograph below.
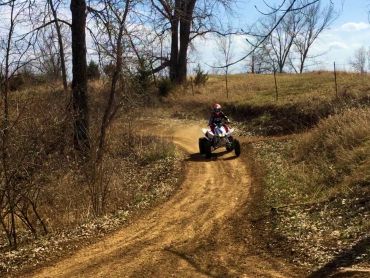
(192, 235)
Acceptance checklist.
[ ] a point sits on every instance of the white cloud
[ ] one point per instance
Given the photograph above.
(354, 26)
(338, 45)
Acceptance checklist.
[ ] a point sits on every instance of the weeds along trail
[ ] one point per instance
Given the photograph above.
(191, 235)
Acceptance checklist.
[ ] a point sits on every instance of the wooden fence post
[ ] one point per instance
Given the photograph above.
(276, 87)
(335, 78)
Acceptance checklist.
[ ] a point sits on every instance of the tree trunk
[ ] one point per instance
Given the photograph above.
(174, 49)
(303, 60)
(175, 41)
(79, 72)
(281, 67)
(183, 53)
(8, 188)
(253, 61)
(60, 43)
(185, 27)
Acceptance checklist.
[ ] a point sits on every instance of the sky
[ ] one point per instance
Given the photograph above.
(350, 31)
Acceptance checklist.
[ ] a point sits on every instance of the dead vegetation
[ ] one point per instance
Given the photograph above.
(316, 196)
(55, 195)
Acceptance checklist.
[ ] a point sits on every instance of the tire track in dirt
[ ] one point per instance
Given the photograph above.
(188, 236)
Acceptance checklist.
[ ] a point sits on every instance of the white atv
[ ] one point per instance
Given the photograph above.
(220, 138)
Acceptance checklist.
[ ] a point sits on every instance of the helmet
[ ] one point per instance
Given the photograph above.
(216, 108)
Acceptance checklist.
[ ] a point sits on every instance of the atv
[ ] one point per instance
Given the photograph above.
(218, 139)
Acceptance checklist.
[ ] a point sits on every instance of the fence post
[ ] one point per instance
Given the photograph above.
(192, 85)
(276, 87)
(335, 78)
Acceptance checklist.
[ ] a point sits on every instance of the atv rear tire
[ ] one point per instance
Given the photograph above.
(202, 144)
(236, 144)
(208, 149)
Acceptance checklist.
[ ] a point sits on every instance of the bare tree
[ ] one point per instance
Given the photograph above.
(44, 19)
(358, 62)
(14, 49)
(53, 4)
(186, 20)
(110, 33)
(50, 62)
(281, 13)
(79, 73)
(279, 43)
(224, 44)
(316, 20)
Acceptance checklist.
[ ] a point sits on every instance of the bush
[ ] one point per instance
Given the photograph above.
(93, 71)
(165, 86)
(156, 149)
(22, 79)
(109, 69)
(143, 74)
(201, 77)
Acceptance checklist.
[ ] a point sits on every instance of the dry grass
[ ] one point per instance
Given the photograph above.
(259, 89)
(338, 150)
(303, 100)
(137, 169)
(318, 185)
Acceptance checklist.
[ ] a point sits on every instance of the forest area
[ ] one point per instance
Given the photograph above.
(100, 100)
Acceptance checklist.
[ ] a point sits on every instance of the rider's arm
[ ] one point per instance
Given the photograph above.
(226, 118)
(210, 122)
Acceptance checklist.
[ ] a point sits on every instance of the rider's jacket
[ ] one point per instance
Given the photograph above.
(217, 118)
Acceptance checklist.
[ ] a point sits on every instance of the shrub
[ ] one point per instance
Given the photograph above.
(22, 79)
(109, 69)
(165, 86)
(201, 77)
(156, 149)
(143, 74)
(93, 71)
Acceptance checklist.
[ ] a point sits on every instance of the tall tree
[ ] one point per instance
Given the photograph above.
(187, 19)
(79, 72)
(110, 32)
(53, 7)
(316, 20)
(282, 38)
(260, 38)
(358, 62)
(224, 45)
(15, 54)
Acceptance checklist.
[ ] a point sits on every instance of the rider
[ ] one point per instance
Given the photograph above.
(218, 116)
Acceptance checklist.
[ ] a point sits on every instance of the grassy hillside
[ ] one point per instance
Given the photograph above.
(314, 182)
(303, 99)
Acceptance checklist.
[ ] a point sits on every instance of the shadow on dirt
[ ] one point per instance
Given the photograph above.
(345, 259)
(193, 263)
(197, 157)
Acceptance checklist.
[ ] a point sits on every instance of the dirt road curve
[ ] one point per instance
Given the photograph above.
(192, 235)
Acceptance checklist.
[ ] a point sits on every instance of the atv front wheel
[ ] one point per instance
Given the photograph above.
(229, 148)
(230, 145)
(236, 144)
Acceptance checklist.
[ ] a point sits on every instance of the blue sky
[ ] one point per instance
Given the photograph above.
(349, 31)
